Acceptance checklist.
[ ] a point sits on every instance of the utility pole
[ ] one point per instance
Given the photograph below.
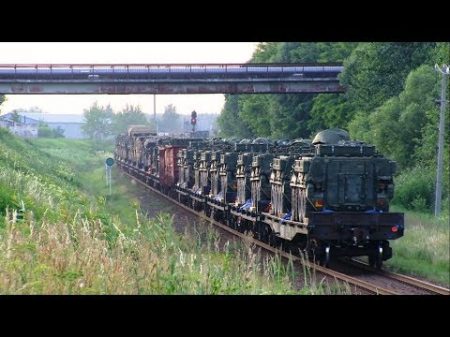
(445, 72)
(154, 111)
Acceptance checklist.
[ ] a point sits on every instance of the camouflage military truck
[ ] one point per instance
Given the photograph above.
(227, 172)
(214, 173)
(340, 200)
(259, 180)
(243, 170)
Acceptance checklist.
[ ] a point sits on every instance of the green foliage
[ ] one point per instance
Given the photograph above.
(7, 199)
(265, 52)
(442, 54)
(102, 122)
(329, 111)
(415, 189)
(169, 120)
(404, 126)
(130, 115)
(282, 116)
(424, 249)
(98, 121)
(229, 121)
(44, 131)
(254, 113)
(2, 99)
(289, 116)
(15, 117)
(374, 72)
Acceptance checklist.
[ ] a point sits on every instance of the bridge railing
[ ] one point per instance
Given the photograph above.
(92, 69)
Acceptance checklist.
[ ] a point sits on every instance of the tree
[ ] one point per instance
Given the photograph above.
(15, 116)
(2, 100)
(98, 121)
(281, 116)
(130, 115)
(229, 121)
(375, 72)
(404, 127)
(58, 132)
(170, 120)
(254, 111)
(330, 111)
(44, 131)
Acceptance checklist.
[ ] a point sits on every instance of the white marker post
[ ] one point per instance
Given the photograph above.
(108, 163)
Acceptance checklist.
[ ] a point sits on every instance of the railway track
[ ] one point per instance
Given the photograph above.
(405, 279)
(356, 281)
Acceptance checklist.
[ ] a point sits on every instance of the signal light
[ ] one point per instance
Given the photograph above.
(193, 117)
(319, 203)
(394, 229)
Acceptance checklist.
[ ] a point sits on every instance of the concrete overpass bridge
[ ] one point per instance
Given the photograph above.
(171, 79)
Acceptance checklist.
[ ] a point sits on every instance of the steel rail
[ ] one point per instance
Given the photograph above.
(408, 280)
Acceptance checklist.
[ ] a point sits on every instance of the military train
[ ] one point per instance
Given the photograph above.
(327, 197)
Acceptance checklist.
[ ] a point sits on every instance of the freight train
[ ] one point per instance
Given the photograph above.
(328, 197)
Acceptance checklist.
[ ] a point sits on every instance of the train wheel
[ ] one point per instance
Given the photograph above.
(376, 258)
(274, 240)
(208, 211)
(240, 225)
(217, 215)
(264, 233)
(325, 260)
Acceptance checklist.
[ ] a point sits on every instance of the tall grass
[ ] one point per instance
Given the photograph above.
(77, 258)
(424, 250)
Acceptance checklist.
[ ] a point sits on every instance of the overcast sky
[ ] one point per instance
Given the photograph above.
(99, 52)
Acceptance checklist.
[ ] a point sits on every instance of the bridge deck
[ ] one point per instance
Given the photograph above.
(168, 78)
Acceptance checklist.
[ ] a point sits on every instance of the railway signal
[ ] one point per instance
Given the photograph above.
(193, 120)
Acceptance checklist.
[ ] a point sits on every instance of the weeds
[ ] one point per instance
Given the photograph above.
(424, 248)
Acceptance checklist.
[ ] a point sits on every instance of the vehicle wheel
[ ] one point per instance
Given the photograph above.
(208, 211)
(376, 259)
(326, 257)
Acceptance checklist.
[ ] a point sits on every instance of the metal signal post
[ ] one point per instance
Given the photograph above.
(108, 163)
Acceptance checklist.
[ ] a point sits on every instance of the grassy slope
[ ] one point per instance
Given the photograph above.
(424, 249)
(71, 238)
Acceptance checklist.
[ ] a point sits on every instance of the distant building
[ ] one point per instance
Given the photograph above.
(22, 126)
(71, 124)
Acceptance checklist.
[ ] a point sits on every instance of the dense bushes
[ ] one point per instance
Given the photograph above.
(415, 188)
(46, 132)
